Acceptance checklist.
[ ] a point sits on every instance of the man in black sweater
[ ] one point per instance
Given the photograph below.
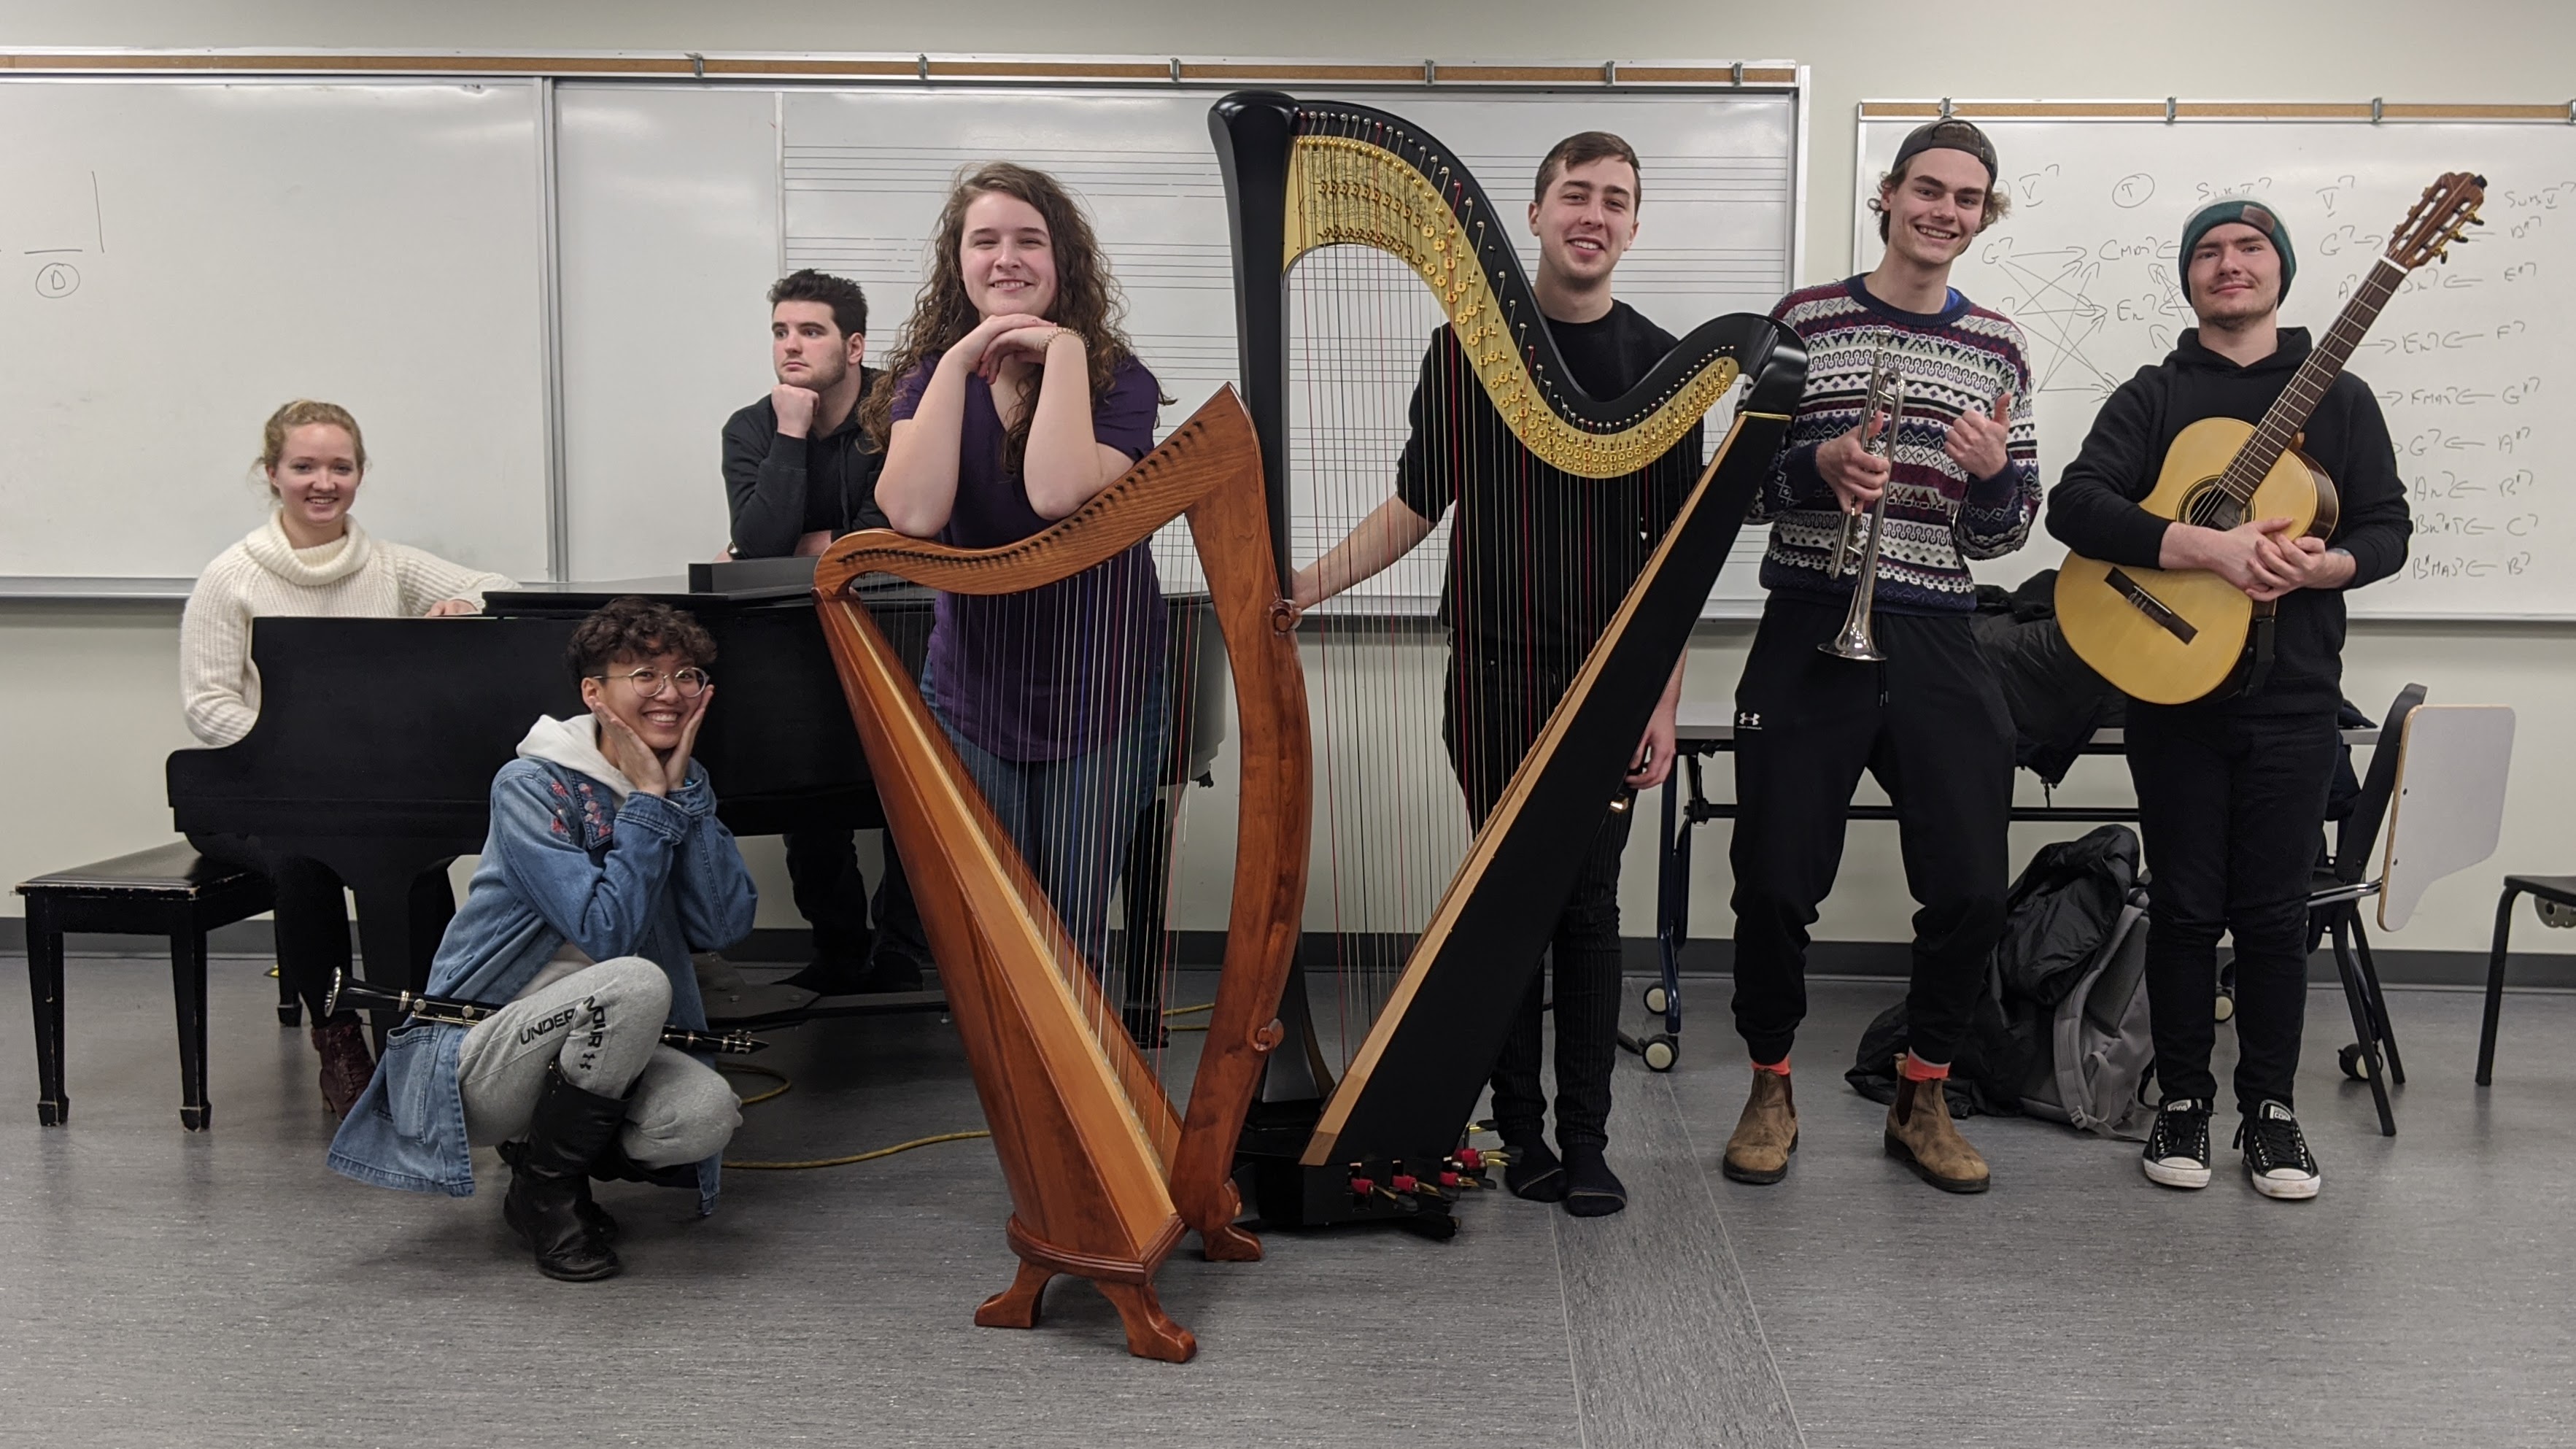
(2232, 789)
(799, 473)
(1538, 563)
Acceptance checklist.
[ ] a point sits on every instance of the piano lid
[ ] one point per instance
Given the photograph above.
(732, 584)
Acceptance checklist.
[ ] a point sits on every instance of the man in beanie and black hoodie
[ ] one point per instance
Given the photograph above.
(2232, 789)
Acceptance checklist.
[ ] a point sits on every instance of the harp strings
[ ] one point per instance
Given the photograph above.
(1070, 711)
(1390, 823)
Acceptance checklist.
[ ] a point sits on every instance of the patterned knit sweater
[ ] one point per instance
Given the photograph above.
(1937, 517)
(354, 577)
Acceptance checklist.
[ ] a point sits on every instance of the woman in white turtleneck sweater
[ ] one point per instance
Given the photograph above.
(309, 558)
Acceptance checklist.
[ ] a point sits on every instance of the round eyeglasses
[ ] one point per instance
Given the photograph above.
(649, 683)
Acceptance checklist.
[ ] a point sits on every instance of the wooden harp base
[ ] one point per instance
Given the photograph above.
(1129, 1287)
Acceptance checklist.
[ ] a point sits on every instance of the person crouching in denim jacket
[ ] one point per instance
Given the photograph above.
(605, 867)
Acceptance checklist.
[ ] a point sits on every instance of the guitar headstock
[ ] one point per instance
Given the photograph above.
(2448, 207)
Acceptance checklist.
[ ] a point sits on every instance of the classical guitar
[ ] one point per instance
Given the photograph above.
(2170, 636)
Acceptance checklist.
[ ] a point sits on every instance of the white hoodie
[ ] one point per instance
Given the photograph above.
(574, 744)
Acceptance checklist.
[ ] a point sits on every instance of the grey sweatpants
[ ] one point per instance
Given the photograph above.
(601, 1026)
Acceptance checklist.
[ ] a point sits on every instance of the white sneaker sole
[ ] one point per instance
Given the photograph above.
(2165, 1175)
(2288, 1189)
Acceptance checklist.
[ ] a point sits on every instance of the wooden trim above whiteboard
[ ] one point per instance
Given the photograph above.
(917, 69)
(2561, 112)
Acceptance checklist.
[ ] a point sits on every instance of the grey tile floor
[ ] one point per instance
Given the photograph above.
(224, 1289)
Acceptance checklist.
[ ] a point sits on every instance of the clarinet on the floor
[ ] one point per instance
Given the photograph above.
(345, 992)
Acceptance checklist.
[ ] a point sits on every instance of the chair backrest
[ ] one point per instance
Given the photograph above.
(2358, 837)
(2453, 764)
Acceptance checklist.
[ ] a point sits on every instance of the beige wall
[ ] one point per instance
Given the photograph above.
(91, 707)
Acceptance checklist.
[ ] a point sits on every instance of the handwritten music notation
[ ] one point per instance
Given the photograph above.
(54, 223)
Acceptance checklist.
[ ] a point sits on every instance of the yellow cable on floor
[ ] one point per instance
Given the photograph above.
(857, 1156)
(781, 1090)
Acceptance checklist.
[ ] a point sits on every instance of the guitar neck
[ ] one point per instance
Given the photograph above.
(2289, 412)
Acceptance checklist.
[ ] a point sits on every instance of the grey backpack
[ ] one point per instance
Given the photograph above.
(2093, 1052)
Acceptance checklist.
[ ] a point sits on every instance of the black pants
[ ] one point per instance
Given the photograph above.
(1931, 725)
(2233, 809)
(832, 896)
(1494, 714)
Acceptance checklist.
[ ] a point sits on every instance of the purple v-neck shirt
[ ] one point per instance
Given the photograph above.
(1053, 672)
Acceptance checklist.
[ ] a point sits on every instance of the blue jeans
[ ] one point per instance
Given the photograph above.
(1073, 819)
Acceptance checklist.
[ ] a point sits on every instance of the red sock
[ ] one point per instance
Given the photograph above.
(1781, 1066)
(1915, 1069)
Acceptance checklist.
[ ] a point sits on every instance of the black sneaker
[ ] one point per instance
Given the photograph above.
(2178, 1149)
(2276, 1153)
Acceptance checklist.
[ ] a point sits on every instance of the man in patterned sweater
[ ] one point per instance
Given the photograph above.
(1962, 482)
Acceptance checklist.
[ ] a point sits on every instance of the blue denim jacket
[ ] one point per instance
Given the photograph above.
(565, 861)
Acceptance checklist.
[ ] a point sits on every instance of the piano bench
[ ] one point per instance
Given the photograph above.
(173, 892)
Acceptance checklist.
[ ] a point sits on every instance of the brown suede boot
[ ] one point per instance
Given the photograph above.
(1920, 1132)
(1766, 1134)
(347, 1065)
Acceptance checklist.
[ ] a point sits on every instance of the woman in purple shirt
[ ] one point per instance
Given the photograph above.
(1017, 400)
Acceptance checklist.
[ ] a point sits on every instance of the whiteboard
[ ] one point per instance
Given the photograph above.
(680, 204)
(179, 257)
(2469, 361)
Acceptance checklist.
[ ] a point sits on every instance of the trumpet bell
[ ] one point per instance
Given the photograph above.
(1853, 643)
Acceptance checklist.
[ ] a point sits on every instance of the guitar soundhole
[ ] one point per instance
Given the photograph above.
(2209, 505)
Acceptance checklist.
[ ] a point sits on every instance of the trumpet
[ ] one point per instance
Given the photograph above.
(448, 1009)
(1856, 548)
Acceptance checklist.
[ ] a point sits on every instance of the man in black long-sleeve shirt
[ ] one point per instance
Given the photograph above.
(2232, 789)
(799, 472)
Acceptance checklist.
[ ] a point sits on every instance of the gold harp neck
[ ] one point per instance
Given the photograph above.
(1347, 191)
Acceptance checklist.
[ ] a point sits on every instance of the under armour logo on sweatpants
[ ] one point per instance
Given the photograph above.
(1746, 719)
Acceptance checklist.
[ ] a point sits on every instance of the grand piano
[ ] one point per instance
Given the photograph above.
(378, 738)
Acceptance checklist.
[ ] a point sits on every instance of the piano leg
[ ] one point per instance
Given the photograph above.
(403, 909)
(188, 990)
(45, 991)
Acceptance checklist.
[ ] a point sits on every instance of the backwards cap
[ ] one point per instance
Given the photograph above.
(1946, 134)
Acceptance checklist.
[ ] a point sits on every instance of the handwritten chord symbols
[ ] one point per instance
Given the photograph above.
(57, 279)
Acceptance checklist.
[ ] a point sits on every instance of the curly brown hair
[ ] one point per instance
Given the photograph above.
(636, 629)
(1087, 299)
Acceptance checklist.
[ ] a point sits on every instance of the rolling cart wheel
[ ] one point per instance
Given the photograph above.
(2226, 1006)
(1656, 1000)
(2348, 1057)
(1660, 1052)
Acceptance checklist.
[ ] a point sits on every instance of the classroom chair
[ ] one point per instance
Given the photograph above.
(2547, 891)
(2438, 779)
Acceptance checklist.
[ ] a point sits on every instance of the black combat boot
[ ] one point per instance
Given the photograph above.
(550, 1177)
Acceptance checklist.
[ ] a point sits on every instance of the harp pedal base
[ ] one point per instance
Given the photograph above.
(1292, 1195)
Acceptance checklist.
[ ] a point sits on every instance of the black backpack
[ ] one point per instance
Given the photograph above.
(2061, 1029)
